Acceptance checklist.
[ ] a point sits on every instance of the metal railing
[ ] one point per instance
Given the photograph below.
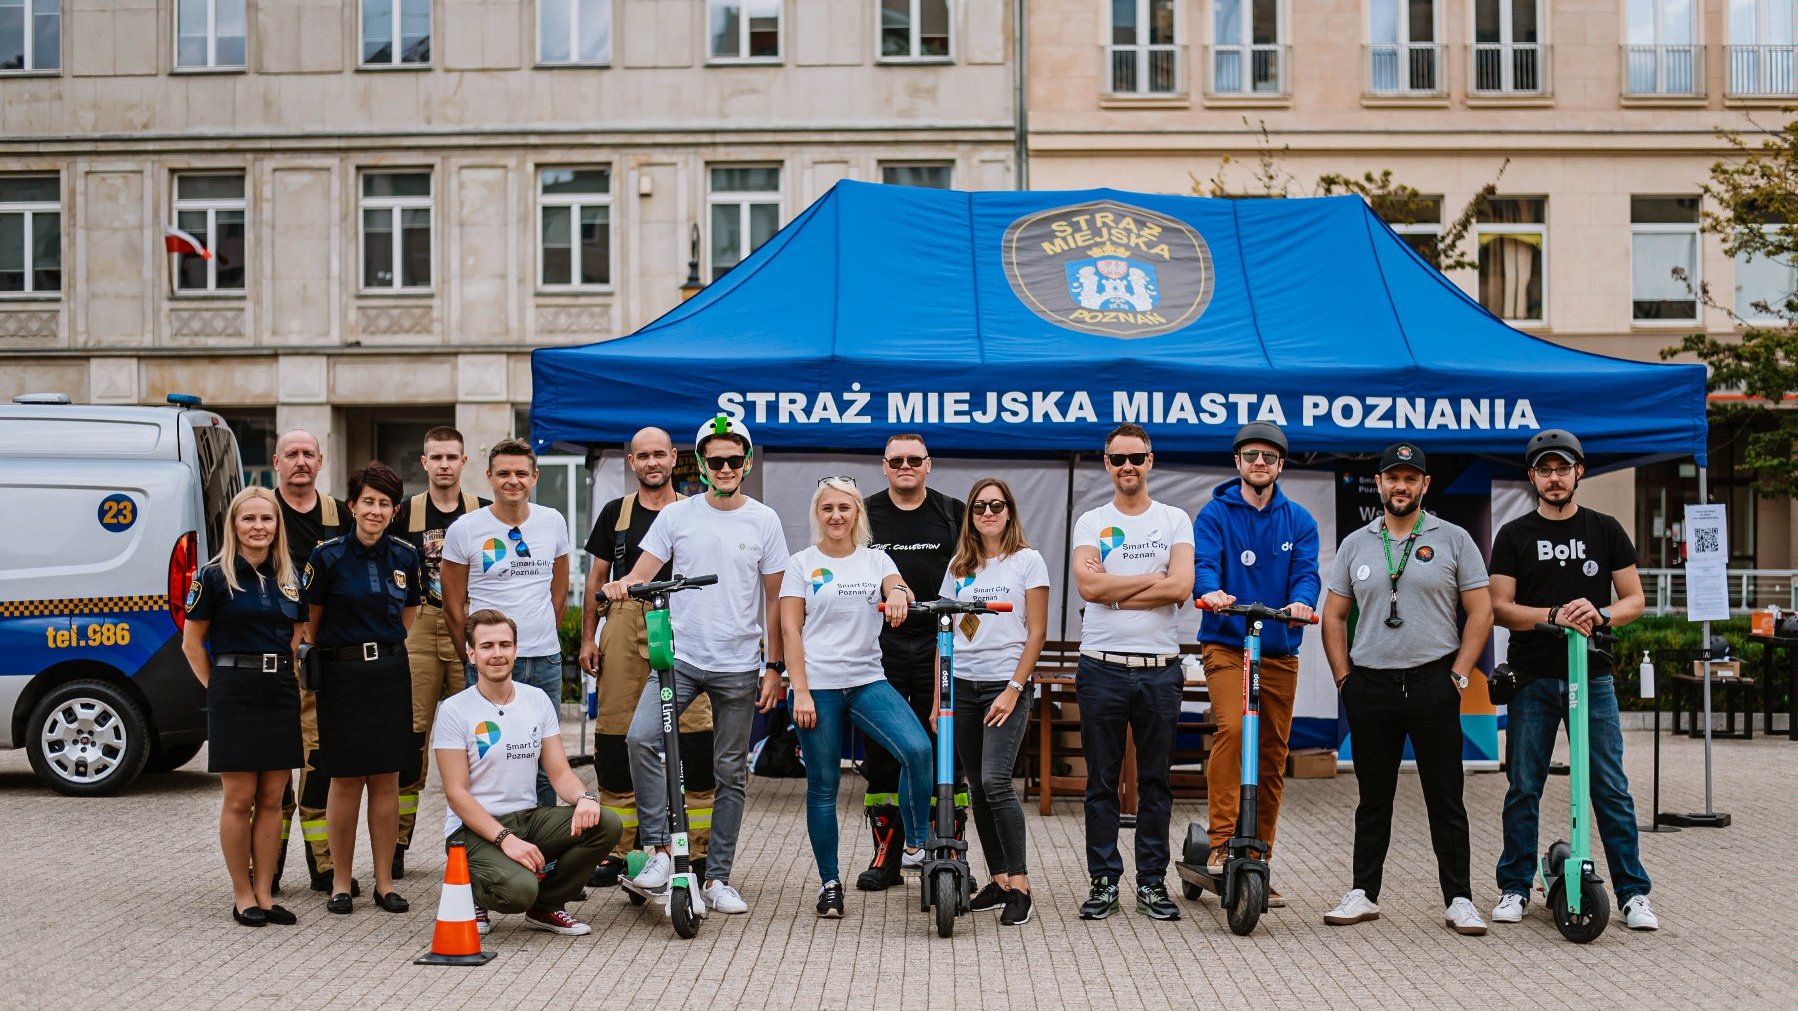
(1145, 70)
(1508, 69)
(1749, 589)
(1663, 70)
(1762, 72)
(1260, 70)
(1406, 68)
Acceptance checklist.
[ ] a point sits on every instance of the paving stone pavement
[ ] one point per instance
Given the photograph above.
(123, 902)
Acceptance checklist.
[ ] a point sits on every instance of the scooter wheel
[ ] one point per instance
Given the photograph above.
(1251, 899)
(1190, 892)
(680, 910)
(637, 898)
(1594, 914)
(943, 893)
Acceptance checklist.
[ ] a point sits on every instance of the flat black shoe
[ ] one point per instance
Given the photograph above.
(322, 883)
(251, 917)
(393, 902)
(278, 915)
(339, 903)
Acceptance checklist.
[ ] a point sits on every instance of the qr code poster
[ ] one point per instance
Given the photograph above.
(1707, 535)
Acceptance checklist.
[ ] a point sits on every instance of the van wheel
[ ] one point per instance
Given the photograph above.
(87, 739)
(168, 758)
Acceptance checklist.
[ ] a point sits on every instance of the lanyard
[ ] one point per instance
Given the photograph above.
(1404, 559)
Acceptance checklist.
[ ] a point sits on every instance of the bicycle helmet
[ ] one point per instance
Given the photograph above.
(1555, 440)
(1260, 431)
(721, 425)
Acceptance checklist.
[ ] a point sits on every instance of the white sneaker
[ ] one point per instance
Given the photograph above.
(1464, 918)
(1638, 916)
(1510, 908)
(655, 873)
(724, 898)
(1354, 908)
(913, 859)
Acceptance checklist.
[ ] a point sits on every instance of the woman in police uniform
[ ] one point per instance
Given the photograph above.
(362, 590)
(244, 606)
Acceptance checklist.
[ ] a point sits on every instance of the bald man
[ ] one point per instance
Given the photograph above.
(619, 656)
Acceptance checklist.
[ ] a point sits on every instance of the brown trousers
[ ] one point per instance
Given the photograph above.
(1223, 773)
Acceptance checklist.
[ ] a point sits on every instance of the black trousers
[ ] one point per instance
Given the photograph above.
(1115, 700)
(912, 670)
(1384, 708)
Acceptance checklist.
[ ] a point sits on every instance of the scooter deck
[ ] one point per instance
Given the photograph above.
(1200, 877)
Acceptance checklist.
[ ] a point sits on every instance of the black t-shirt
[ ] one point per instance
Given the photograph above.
(602, 543)
(429, 541)
(1556, 561)
(921, 543)
(307, 530)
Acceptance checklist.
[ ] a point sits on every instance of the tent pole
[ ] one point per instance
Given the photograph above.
(1703, 499)
(1067, 558)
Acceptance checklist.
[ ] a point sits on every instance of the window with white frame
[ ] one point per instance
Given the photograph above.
(1404, 55)
(1512, 236)
(1763, 48)
(1659, 54)
(30, 35)
(30, 235)
(743, 30)
(574, 209)
(396, 33)
(211, 208)
(396, 231)
(1663, 237)
(931, 176)
(1248, 55)
(1424, 229)
(744, 207)
(1508, 54)
(1766, 285)
(1143, 58)
(914, 30)
(574, 32)
(209, 34)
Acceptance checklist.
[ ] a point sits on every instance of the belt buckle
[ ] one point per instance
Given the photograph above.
(371, 651)
(271, 663)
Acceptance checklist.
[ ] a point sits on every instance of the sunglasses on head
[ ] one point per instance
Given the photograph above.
(522, 550)
(1134, 459)
(725, 462)
(995, 506)
(1251, 455)
(899, 462)
(846, 479)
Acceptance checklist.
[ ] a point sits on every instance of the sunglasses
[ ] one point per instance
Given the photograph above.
(522, 550)
(725, 462)
(995, 506)
(1134, 459)
(1251, 455)
(902, 462)
(844, 478)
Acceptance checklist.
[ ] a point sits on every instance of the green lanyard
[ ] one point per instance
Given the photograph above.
(1393, 573)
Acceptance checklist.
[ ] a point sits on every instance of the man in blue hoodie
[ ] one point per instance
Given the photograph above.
(1252, 543)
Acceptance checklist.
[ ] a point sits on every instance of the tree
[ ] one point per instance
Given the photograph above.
(1755, 195)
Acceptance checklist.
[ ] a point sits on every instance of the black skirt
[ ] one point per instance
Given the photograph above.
(252, 721)
(365, 716)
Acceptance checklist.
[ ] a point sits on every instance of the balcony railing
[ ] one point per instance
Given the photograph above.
(1255, 71)
(1762, 72)
(1407, 69)
(1508, 69)
(1749, 589)
(1674, 71)
(1145, 70)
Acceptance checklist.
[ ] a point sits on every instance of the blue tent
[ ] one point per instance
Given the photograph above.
(1016, 323)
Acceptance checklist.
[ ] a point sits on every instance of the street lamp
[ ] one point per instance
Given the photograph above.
(692, 285)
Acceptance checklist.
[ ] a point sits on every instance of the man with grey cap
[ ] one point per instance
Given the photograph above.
(1407, 571)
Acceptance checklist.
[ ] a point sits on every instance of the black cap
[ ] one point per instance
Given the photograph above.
(1403, 454)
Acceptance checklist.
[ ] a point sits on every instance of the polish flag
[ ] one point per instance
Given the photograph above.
(175, 240)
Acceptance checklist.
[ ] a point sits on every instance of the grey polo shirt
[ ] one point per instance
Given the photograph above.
(1444, 562)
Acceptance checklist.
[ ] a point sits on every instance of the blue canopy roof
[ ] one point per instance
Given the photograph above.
(1025, 322)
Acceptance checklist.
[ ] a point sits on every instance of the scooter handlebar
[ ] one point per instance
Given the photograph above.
(1261, 611)
(1600, 636)
(643, 591)
(946, 606)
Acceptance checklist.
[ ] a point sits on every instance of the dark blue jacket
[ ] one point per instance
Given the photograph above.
(1259, 556)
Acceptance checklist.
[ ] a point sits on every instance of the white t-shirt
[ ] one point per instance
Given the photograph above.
(718, 628)
(842, 626)
(504, 746)
(992, 653)
(504, 577)
(1131, 546)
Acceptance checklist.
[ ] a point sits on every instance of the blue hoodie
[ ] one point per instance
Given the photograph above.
(1259, 556)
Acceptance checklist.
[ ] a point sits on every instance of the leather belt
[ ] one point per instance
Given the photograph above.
(1132, 659)
(360, 651)
(267, 663)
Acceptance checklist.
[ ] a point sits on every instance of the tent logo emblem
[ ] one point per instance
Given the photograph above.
(1110, 269)
(1110, 539)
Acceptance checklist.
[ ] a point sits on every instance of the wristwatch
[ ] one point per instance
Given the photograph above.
(777, 666)
(587, 796)
(1604, 617)
(1458, 678)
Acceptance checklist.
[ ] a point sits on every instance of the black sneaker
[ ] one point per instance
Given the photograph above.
(1017, 909)
(1101, 902)
(1152, 901)
(990, 897)
(830, 901)
(605, 875)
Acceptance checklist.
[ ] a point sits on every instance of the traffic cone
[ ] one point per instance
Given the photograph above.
(456, 941)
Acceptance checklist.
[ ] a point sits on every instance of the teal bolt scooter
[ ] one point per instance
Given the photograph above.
(1582, 912)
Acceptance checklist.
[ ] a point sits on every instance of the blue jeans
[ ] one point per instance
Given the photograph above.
(1536, 715)
(1116, 699)
(543, 672)
(884, 716)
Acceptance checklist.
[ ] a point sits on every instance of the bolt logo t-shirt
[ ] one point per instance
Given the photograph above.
(841, 635)
(504, 745)
(1554, 562)
(1130, 546)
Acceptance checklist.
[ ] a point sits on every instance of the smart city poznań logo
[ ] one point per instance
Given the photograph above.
(1110, 539)
(819, 578)
(493, 551)
(486, 735)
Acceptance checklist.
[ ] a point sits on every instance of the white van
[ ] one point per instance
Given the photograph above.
(109, 511)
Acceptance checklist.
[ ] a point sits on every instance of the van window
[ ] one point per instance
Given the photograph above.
(221, 478)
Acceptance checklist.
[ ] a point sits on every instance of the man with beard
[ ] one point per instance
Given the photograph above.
(619, 657)
(1407, 571)
(1561, 565)
(1262, 546)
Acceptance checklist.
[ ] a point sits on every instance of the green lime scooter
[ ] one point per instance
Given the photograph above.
(685, 904)
(1580, 913)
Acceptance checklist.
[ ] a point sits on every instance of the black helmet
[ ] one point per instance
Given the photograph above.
(1555, 440)
(1260, 431)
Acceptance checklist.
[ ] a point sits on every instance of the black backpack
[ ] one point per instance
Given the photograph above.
(777, 755)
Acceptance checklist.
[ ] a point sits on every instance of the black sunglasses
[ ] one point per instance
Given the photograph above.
(725, 462)
(995, 506)
(1251, 455)
(898, 462)
(523, 550)
(1135, 459)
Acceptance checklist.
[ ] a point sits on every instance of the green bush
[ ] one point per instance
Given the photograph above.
(1654, 632)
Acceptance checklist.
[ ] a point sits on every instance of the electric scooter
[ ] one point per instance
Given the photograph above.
(681, 897)
(1242, 887)
(945, 879)
(1581, 913)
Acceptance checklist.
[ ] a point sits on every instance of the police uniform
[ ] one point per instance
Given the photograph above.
(365, 696)
(304, 532)
(252, 699)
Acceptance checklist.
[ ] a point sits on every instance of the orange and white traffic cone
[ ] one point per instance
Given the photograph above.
(457, 941)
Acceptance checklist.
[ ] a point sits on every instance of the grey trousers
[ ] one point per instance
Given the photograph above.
(733, 695)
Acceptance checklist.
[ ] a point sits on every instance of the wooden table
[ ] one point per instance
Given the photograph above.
(1771, 645)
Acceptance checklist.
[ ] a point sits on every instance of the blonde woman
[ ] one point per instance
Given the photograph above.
(831, 629)
(244, 607)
